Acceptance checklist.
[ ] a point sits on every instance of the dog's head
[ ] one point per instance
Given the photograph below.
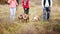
(26, 16)
(36, 18)
(20, 16)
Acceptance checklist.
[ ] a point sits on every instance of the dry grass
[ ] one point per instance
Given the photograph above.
(40, 27)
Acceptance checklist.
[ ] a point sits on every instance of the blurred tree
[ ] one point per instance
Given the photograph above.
(6, 1)
(3, 1)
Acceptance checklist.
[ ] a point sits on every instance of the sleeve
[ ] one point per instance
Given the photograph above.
(9, 1)
(42, 3)
(51, 3)
(16, 3)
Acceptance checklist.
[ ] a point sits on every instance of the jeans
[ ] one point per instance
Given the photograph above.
(46, 13)
(26, 10)
(12, 13)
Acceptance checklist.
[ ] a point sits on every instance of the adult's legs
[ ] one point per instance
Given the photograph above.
(12, 13)
(44, 14)
(48, 13)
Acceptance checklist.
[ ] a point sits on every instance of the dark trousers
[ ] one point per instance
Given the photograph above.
(26, 10)
(46, 13)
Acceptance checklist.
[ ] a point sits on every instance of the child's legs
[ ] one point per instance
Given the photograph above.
(26, 10)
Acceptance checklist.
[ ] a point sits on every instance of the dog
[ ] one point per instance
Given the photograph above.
(26, 17)
(20, 16)
(36, 18)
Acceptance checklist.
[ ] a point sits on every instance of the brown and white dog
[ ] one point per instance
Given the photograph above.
(20, 16)
(26, 17)
(36, 18)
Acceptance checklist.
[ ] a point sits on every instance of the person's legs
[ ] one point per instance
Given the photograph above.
(44, 14)
(27, 11)
(48, 13)
(24, 11)
(12, 13)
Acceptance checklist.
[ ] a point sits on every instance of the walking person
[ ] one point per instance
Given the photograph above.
(25, 5)
(46, 4)
(12, 4)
